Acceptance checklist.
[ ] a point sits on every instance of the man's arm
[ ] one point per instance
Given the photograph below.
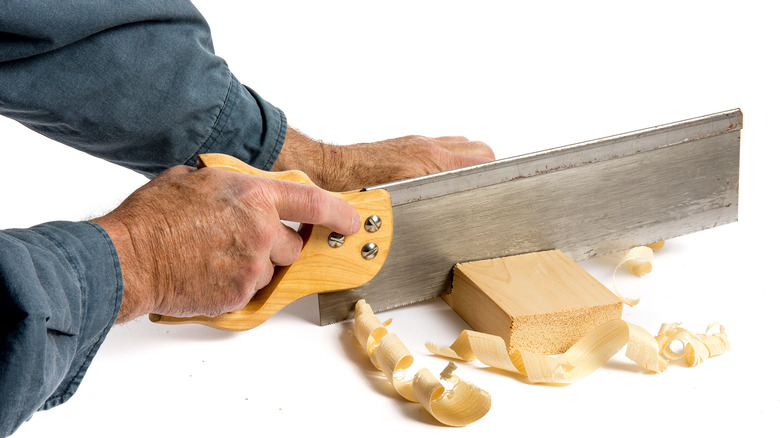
(138, 84)
(134, 82)
(190, 242)
(60, 291)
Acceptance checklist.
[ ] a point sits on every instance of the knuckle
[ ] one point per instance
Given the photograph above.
(256, 274)
(238, 297)
(296, 241)
(310, 201)
(180, 169)
(238, 302)
(290, 241)
(261, 193)
(208, 172)
(176, 171)
(316, 204)
(263, 278)
(170, 174)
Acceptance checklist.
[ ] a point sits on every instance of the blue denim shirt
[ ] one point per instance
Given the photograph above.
(134, 82)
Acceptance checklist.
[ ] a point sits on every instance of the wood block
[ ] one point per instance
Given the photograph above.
(542, 302)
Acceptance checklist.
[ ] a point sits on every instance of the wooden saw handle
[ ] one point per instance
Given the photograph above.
(319, 268)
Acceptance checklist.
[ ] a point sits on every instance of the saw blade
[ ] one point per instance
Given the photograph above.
(588, 199)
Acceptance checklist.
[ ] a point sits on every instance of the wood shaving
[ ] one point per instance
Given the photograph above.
(695, 347)
(462, 404)
(587, 355)
(591, 352)
(639, 261)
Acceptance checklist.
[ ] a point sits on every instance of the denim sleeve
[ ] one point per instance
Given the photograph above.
(134, 82)
(60, 293)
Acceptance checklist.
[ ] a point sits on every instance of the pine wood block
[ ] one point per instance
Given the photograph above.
(542, 302)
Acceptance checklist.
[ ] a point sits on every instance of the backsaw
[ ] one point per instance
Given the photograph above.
(588, 199)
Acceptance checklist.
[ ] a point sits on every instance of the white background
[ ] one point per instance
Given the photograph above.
(522, 79)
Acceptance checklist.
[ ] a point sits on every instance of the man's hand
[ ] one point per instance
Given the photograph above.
(201, 242)
(351, 167)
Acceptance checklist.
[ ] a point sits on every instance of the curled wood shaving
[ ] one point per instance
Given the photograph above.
(639, 261)
(462, 404)
(695, 347)
(656, 245)
(584, 357)
(591, 352)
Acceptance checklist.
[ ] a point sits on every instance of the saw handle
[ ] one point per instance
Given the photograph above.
(328, 262)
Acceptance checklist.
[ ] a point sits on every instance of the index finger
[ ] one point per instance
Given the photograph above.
(310, 204)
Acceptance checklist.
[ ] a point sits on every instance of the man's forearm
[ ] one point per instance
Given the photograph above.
(136, 83)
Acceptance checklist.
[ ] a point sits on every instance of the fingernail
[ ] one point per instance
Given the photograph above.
(355, 223)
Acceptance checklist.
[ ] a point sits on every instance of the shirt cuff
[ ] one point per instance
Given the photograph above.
(60, 294)
(247, 128)
(93, 259)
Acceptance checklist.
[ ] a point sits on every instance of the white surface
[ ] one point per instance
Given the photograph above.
(521, 79)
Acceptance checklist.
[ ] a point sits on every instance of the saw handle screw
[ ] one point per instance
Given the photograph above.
(373, 223)
(335, 240)
(369, 251)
